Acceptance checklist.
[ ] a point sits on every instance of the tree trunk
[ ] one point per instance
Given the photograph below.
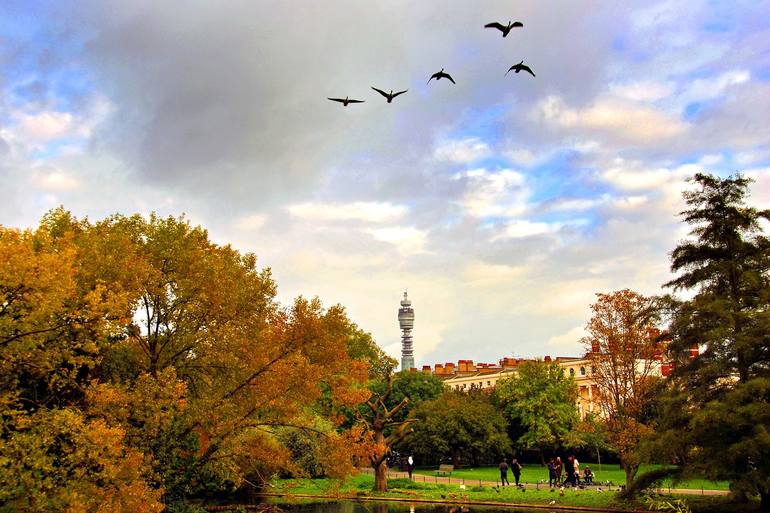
(764, 501)
(542, 458)
(381, 477)
(630, 471)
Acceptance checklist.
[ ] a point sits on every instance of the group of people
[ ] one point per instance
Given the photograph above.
(515, 467)
(571, 470)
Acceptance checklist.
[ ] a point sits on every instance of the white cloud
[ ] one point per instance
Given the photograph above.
(644, 91)
(367, 211)
(614, 118)
(522, 228)
(407, 239)
(44, 126)
(251, 222)
(483, 274)
(573, 204)
(462, 151)
(494, 193)
(58, 181)
(568, 340)
(713, 87)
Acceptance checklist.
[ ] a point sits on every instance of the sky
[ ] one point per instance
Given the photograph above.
(503, 204)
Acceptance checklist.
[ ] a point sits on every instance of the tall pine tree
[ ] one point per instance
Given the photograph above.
(718, 416)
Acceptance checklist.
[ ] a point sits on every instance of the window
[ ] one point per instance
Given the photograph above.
(571, 372)
(582, 371)
(489, 383)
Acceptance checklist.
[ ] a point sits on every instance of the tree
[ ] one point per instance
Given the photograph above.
(539, 403)
(624, 348)
(414, 386)
(172, 346)
(717, 413)
(462, 427)
(384, 431)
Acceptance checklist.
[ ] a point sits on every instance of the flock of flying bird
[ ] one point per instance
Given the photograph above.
(505, 29)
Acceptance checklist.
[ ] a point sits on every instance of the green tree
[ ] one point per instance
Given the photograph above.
(716, 418)
(384, 430)
(462, 427)
(539, 403)
(414, 386)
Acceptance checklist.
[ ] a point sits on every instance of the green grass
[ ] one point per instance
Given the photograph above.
(532, 473)
(361, 486)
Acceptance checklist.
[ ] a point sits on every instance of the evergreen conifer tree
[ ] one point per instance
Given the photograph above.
(716, 418)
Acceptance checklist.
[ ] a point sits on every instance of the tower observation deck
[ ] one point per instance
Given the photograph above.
(406, 322)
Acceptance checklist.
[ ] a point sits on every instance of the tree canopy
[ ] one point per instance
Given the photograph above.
(458, 426)
(539, 404)
(624, 348)
(137, 349)
(716, 416)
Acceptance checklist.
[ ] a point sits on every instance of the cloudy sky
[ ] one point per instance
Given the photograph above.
(503, 204)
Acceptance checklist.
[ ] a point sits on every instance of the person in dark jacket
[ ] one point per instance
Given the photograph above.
(516, 469)
(552, 479)
(504, 473)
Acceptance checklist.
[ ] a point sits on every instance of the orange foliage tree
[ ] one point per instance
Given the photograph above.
(173, 345)
(623, 346)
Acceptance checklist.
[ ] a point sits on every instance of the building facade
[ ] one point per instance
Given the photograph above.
(466, 375)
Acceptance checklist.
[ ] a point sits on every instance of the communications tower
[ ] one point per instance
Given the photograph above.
(406, 322)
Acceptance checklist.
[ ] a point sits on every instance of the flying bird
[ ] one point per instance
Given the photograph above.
(390, 96)
(345, 101)
(505, 29)
(520, 67)
(439, 75)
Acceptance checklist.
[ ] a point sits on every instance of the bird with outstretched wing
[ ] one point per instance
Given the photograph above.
(439, 75)
(516, 68)
(345, 101)
(391, 95)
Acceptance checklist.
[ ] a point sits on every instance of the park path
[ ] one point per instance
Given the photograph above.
(422, 478)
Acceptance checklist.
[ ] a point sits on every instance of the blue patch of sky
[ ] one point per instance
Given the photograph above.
(762, 74)
(55, 148)
(482, 124)
(43, 64)
(691, 110)
(559, 177)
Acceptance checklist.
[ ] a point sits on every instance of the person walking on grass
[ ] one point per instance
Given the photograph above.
(410, 466)
(516, 469)
(558, 466)
(504, 473)
(552, 479)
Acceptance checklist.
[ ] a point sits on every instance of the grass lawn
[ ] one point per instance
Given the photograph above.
(532, 473)
(361, 486)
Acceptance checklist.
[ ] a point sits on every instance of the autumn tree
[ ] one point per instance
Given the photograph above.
(717, 415)
(539, 402)
(56, 321)
(459, 426)
(624, 349)
(171, 345)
